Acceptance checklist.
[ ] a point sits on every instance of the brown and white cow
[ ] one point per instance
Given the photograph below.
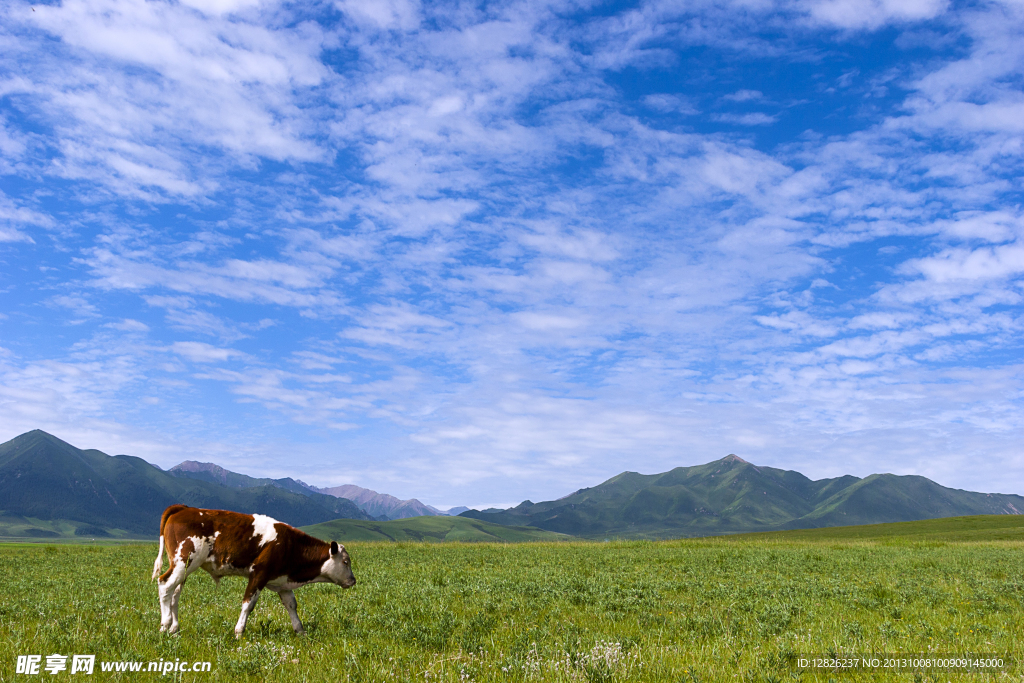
(272, 554)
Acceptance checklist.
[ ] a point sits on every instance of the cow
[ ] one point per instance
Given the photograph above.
(272, 554)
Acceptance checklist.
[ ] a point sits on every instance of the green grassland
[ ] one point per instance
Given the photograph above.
(428, 530)
(694, 610)
(16, 528)
(950, 529)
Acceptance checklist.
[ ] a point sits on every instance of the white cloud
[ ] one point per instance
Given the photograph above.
(261, 280)
(13, 235)
(872, 14)
(548, 322)
(744, 96)
(966, 264)
(882, 320)
(221, 7)
(665, 102)
(125, 83)
(752, 119)
(78, 305)
(129, 325)
(798, 322)
(199, 352)
(14, 218)
(383, 14)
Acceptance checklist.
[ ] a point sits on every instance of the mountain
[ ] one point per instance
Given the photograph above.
(49, 488)
(381, 505)
(435, 529)
(44, 478)
(207, 471)
(731, 495)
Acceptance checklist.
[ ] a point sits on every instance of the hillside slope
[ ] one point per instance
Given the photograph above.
(890, 498)
(731, 495)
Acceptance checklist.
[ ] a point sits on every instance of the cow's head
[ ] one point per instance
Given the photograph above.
(338, 567)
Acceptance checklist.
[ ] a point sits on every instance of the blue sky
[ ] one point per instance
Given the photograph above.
(476, 253)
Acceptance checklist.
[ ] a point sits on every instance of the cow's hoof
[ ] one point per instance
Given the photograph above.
(163, 628)
(238, 634)
(301, 632)
(173, 629)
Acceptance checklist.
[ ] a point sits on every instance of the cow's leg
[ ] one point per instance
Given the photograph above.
(161, 585)
(169, 586)
(175, 596)
(288, 600)
(252, 594)
(193, 562)
(165, 609)
(247, 606)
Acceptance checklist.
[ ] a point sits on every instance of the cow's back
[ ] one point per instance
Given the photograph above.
(237, 539)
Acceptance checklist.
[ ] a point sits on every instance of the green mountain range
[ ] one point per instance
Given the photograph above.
(732, 496)
(46, 479)
(49, 488)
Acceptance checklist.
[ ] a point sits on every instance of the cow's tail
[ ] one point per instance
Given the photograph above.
(159, 564)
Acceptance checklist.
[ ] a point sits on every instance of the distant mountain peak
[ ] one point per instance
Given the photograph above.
(732, 457)
(380, 504)
(196, 466)
(37, 434)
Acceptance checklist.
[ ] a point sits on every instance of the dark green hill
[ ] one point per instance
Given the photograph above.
(433, 529)
(890, 498)
(45, 478)
(731, 496)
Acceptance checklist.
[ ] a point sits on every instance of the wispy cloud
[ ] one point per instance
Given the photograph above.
(124, 85)
(204, 353)
(744, 96)
(756, 118)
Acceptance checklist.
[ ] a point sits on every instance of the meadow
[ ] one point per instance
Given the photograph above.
(693, 611)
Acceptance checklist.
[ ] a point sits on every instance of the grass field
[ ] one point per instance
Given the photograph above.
(951, 529)
(429, 530)
(724, 609)
(55, 530)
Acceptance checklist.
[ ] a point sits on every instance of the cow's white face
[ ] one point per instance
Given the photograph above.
(338, 567)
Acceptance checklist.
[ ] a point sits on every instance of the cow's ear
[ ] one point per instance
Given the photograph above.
(334, 547)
